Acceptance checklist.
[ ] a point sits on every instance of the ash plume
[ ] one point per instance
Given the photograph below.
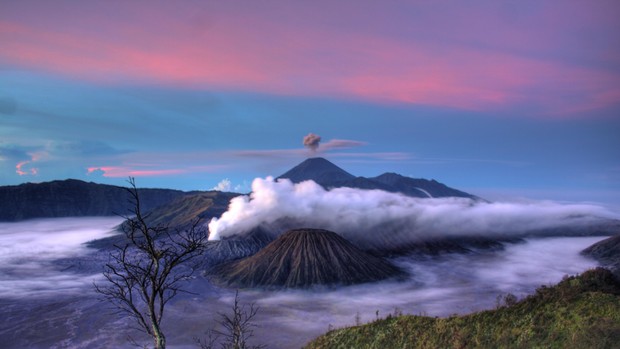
(312, 141)
(378, 219)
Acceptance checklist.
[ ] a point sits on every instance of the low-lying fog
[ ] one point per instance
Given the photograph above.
(27, 249)
(45, 304)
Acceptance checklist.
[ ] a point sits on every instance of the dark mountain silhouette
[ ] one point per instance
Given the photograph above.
(364, 183)
(328, 175)
(319, 170)
(74, 198)
(302, 258)
(418, 187)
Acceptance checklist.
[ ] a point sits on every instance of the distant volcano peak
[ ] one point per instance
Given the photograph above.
(329, 176)
(305, 257)
(318, 169)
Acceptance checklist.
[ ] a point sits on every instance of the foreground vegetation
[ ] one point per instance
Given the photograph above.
(580, 312)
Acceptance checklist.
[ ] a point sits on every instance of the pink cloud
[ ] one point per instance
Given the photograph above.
(22, 171)
(118, 171)
(151, 169)
(468, 58)
(24, 168)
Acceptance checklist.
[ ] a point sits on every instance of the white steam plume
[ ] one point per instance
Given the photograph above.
(379, 219)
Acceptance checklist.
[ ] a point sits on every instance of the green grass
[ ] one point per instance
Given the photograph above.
(580, 312)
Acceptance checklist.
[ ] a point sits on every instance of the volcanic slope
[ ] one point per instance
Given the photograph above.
(328, 175)
(320, 170)
(302, 258)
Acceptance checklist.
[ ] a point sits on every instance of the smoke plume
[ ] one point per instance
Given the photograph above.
(378, 219)
(312, 141)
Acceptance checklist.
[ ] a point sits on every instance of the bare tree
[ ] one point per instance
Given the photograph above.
(147, 271)
(238, 328)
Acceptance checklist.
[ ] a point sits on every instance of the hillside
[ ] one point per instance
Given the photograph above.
(302, 258)
(183, 211)
(579, 312)
(606, 252)
(74, 198)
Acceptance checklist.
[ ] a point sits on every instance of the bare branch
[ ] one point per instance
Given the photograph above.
(144, 275)
(238, 328)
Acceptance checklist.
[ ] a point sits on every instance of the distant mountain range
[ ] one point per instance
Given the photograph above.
(184, 210)
(329, 176)
(75, 198)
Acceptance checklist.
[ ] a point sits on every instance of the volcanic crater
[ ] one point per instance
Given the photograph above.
(302, 258)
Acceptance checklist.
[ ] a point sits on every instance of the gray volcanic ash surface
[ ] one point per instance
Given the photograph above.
(302, 258)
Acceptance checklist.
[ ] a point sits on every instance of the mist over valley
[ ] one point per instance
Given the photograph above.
(455, 255)
(438, 285)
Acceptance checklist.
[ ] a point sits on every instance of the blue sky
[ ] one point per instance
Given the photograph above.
(505, 100)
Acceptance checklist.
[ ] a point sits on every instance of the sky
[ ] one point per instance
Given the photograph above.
(503, 99)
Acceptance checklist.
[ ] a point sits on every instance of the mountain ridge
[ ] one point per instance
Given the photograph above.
(74, 198)
(77, 198)
(329, 175)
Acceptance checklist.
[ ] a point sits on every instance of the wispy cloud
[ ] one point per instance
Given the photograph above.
(148, 171)
(21, 170)
(24, 158)
(224, 185)
(114, 171)
(340, 144)
(321, 148)
(512, 163)
(268, 153)
(227, 185)
(522, 62)
(386, 156)
(84, 148)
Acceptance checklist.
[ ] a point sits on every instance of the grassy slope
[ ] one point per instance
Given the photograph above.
(579, 312)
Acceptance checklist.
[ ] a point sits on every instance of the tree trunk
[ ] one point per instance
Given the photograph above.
(160, 340)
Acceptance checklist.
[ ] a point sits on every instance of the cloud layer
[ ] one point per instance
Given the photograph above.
(378, 219)
(443, 56)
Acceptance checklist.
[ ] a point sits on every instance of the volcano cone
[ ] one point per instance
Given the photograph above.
(305, 257)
